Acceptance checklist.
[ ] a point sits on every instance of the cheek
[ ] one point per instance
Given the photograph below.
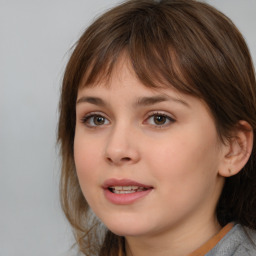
(185, 159)
(87, 160)
(185, 172)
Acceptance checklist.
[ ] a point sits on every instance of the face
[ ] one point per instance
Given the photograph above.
(147, 160)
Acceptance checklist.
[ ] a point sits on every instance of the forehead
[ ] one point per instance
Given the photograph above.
(124, 85)
(122, 69)
(123, 74)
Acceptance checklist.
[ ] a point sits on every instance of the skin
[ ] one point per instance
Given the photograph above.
(180, 159)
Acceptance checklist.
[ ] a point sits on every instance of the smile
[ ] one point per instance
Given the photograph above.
(125, 191)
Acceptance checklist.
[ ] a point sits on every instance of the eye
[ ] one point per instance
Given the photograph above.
(94, 120)
(159, 119)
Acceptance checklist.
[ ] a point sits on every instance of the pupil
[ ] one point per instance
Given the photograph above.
(99, 120)
(159, 119)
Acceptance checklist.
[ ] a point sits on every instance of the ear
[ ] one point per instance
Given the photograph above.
(237, 150)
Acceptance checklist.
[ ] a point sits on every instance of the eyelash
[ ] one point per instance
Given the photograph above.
(86, 119)
(90, 117)
(159, 114)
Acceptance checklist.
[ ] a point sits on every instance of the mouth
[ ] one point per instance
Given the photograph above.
(124, 191)
(124, 186)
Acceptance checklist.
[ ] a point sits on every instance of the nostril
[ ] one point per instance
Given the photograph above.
(126, 159)
(109, 159)
(120, 160)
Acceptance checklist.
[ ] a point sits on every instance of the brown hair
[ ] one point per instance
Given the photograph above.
(183, 44)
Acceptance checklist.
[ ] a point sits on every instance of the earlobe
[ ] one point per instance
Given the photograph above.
(239, 149)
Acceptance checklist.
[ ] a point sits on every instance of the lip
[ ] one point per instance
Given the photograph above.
(124, 199)
(123, 182)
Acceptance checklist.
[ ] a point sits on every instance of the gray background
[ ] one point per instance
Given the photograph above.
(35, 38)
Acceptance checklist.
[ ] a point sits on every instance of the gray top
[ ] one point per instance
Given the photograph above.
(239, 241)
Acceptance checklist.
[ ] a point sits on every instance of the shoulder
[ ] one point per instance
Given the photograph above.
(238, 241)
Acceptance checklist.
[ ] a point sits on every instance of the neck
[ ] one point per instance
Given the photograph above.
(172, 243)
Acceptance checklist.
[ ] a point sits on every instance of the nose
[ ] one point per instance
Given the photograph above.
(122, 146)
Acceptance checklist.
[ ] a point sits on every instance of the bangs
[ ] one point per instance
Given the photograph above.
(149, 68)
(147, 42)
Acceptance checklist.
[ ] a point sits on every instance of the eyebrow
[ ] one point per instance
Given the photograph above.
(93, 100)
(147, 101)
(143, 101)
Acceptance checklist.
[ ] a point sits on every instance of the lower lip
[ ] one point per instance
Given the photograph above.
(125, 199)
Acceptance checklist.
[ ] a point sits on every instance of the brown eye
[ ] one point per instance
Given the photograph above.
(160, 119)
(98, 120)
(95, 120)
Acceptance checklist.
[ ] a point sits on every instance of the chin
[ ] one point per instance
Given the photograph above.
(126, 229)
(126, 233)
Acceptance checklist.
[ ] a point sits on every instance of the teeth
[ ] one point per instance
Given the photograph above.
(126, 189)
(130, 188)
(123, 191)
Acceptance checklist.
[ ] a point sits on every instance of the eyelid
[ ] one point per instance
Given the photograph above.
(149, 115)
(160, 113)
(89, 115)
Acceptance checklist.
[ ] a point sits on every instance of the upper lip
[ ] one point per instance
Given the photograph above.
(123, 182)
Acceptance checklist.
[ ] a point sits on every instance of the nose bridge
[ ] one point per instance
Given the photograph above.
(121, 146)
